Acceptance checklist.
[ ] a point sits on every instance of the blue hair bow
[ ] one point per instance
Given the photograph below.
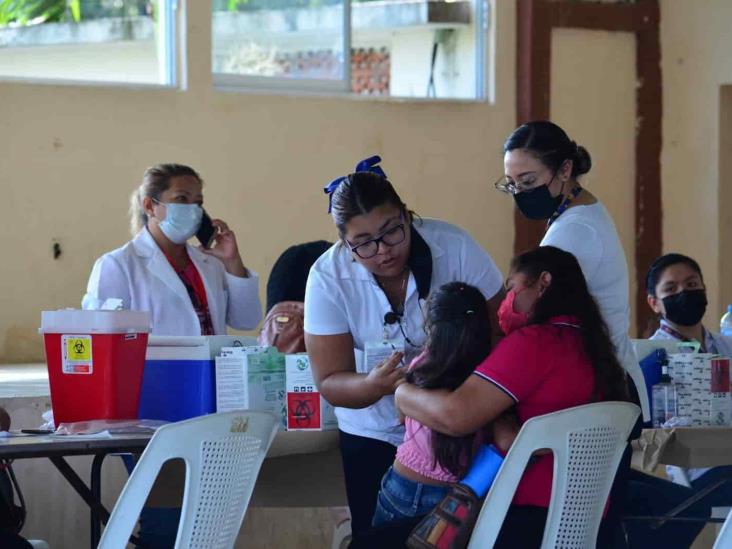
(370, 164)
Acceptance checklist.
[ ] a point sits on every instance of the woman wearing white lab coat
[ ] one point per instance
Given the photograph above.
(187, 290)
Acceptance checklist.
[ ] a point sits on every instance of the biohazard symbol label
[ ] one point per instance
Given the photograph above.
(303, 411)
(77, 354)
(79, 350)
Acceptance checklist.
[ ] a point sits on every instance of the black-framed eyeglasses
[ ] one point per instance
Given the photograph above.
(390, 237)
(507, 186)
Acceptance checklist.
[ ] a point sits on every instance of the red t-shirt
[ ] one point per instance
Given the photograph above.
(191, 279)
(544, 368)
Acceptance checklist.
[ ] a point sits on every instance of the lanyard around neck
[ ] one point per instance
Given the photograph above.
(564, 205)
(711, 348)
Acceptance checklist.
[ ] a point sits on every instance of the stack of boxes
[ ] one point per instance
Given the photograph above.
(307, 410)
(261, 378)
(702, 399)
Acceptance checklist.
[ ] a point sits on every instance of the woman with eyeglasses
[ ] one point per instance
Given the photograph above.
(367, 291)
(543, 167)
(542, 171)
(187, 290)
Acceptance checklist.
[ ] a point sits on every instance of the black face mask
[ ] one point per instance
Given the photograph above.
(686, 308)
(537, 203)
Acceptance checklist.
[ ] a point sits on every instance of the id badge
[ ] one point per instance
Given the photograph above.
(377, 352)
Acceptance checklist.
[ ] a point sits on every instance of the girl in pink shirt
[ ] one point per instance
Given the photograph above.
(426, 462)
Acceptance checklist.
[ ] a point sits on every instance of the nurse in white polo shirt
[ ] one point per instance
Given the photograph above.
(366, 294)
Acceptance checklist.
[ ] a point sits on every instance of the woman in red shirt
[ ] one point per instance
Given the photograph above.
(557, 354)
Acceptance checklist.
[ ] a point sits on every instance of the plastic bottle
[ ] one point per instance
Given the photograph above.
(664, 398)
(725, 325)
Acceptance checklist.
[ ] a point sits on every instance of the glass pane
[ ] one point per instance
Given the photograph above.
(423, 48)
(297, 39)
(95, 40)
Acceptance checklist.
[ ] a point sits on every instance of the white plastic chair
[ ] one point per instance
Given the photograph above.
(587, 442)
(724, 539)
(223, 454)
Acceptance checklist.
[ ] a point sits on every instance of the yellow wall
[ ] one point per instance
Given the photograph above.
(695, 42)
(72, 154)
(725, 195)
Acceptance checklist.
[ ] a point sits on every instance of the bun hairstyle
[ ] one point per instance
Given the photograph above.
(360, 193)
(550, 144)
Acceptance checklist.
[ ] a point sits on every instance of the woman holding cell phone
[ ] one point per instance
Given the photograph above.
(188, 290)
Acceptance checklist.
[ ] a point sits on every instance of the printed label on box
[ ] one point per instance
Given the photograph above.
(695, 384)
(306, 408)
(251, 378)
(303, 410)
(77, 354)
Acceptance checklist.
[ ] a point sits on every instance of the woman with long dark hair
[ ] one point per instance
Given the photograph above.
(426, 463)
(544, 172)
(557, 354)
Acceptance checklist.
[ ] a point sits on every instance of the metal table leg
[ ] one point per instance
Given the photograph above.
(672, 515)
(89, 497)
(96, 490)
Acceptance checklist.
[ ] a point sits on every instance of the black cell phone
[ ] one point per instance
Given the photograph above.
(36, 431)
(207, 232)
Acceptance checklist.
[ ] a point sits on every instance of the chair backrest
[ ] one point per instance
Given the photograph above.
(223, 454)
(587, 443)
(724, 539)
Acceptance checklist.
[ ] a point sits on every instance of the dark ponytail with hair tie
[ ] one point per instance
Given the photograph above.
(551, 145)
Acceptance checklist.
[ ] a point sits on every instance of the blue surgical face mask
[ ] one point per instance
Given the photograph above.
(181, 222)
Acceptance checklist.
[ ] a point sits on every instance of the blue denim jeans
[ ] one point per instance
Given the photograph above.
(401, 498)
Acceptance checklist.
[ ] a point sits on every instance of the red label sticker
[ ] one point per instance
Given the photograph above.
(720, 375)
(303, 410)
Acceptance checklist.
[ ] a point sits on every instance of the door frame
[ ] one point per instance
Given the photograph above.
(535, 21)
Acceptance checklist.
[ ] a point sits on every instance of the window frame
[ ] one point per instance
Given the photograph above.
(247, 82)
(482, 10)
(172, 25)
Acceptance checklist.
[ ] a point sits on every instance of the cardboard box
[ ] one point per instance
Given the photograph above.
(720, 411)
(692, 374)
(307, 410)
(683, 447)
(251, 378)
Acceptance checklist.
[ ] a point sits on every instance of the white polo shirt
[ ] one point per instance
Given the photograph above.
(342, 297)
